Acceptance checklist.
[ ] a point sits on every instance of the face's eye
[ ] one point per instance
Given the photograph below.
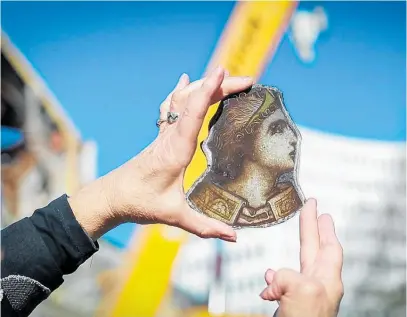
(277, 127)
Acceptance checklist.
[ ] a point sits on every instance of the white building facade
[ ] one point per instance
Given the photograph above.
(362, 185)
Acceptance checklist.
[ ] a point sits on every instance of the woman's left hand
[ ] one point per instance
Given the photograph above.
(317, 290)
(149, 188)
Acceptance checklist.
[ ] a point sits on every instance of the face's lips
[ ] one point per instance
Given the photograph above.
(292, 154)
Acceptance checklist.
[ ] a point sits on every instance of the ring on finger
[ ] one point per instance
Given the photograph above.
(171, 118)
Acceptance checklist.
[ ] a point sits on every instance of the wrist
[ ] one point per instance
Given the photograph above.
(92, 209)
(126, 191)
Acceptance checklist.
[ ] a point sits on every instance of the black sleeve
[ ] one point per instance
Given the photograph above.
(37, 252)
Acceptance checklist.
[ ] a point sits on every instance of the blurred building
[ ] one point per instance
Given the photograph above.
(49, 159)
(359, 180)
(362, 184)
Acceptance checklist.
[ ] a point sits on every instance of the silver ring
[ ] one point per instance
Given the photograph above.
(159, 122)
(171, 118)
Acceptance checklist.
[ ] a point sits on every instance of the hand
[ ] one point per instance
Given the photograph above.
(149, 188)
(317, 290)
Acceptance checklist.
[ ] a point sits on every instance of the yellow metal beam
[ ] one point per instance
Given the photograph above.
(247, 45)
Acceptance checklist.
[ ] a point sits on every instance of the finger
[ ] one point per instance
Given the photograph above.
(309, 236)
(230, 85)
(205, 227)
(326, 227)
(268, 277)
(227, 74)
(330, 247)
(179, 99)
(198, 104)
(283, 281)
(183, 81)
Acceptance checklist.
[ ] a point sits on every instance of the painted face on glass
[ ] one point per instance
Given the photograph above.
(253, 129)
(274, 143)
(252, 143)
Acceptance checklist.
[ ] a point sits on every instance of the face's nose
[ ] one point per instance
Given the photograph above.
(292, 137)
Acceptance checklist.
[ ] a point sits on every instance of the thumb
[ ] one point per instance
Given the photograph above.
(269, 276)
(280, 283)
(205, 227)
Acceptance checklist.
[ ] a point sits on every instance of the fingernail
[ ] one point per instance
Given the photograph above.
(180, 79)
(219, 69)
(183, 77)
(263, 293)
(228, 238)
(227, 73)
(309, 200)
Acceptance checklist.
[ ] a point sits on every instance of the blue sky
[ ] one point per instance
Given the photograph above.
(112, 63)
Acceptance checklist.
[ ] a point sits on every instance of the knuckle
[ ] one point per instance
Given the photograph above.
(340, 249)
(194, 110)
(282, 275)
(163, 110)
(187, 112)
(178, 96)
(268, 292)
(284, 272)
(194, 97)
(339, 290)
(207, 89)
(204, 233)
(337, 253)
(207, 84)
(164, 105)
(312, 288)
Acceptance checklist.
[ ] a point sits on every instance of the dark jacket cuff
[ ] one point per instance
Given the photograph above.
(63, 235)
(47, 245)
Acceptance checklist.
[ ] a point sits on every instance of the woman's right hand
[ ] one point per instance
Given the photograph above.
(149, 188)
(318, 290)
